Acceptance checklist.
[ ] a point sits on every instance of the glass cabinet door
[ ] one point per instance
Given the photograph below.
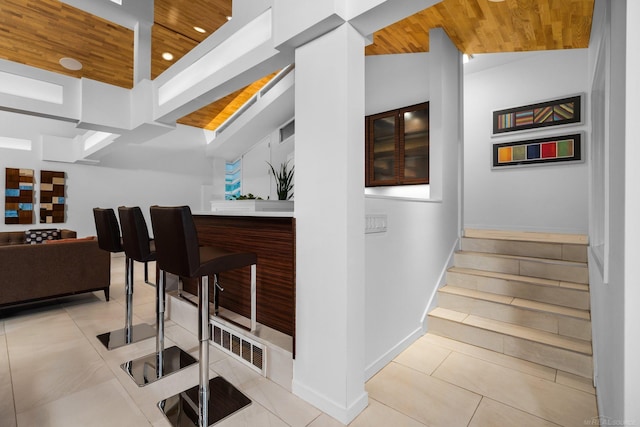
(384, 149)
(416, 145)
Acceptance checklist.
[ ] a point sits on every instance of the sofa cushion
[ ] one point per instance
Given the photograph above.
(41, 235)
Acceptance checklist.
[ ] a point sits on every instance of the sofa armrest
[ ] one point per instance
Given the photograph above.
(68, 234)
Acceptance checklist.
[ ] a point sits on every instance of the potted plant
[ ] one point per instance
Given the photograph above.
(284, 180)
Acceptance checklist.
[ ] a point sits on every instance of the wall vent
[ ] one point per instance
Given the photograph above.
(246, 350)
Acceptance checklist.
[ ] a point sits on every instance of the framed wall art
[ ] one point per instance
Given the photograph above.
(18, 196)
(555, 149)
(562, 111)
(52, 198)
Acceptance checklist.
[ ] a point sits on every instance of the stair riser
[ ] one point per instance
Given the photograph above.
(549, 322)
(558, 251)
(532, 268)
(553, 357)
(549, 294)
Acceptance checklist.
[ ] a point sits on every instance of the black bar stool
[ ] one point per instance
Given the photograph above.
(179, 253)
(139, 247)
(109, 240)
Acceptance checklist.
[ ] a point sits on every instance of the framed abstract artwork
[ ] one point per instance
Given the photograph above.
(563, 111)
(555, 149)
(52, 199)
(18, 196)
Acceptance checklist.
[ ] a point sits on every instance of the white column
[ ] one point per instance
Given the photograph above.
(632, 218)
(329, 210)
(142, 52)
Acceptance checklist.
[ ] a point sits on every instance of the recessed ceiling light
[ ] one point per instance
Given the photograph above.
(70, 64)
(167, 56)
(200, 29)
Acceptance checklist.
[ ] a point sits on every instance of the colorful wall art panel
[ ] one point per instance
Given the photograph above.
(551, 113)
(52, 197)
(18, 196)
(554, 149)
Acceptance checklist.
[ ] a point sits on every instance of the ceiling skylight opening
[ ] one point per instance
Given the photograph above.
(167, 56)
(94, 138)
(15, 143)
(200, 30)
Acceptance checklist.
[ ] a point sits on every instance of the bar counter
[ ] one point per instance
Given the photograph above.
(271, 235)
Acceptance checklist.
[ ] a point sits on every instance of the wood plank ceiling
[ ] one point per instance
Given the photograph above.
(41, 32)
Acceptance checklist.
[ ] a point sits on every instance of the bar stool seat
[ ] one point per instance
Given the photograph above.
(139, 247)
(178, 252)
(109, 239)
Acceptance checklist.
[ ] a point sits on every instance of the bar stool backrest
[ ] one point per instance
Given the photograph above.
(135, 234)
(174, 232)
(108, 230)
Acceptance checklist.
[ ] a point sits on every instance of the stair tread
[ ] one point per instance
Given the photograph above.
(525, 258)
(517, 302)
(548, 338)
(527, 236)
(522, 279)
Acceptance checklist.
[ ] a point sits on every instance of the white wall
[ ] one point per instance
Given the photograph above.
(137, 175)
(542, 198)
(404, 265)
(615, 296)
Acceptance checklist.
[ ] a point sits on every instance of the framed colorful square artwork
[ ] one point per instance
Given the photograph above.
(555, 149)
(18, 196)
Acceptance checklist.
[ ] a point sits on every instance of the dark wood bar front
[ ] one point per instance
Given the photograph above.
(272, 238)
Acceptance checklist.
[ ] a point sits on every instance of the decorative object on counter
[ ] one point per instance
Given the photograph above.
(284, 180)
(543, 114)
(52, 198)
(246, 197)
(18, 207)
(565, 148)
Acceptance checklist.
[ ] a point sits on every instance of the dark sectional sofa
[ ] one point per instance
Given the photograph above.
(32, 272)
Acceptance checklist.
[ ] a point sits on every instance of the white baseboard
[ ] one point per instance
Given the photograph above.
(386, 358)
(442, 280)
(341, 413)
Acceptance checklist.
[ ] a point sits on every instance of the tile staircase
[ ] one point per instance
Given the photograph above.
(522, 294)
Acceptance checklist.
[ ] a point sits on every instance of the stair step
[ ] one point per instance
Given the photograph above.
(519, 302)
(546, 250)
(568, 354)
(554, 340)
(568, 271)
(542, 316)
(529, 236)
(567, 294)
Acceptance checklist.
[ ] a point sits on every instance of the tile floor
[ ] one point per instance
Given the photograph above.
(54, 372)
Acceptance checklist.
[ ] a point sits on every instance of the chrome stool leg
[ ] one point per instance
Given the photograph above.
(150, 368)
(131, 333)
(212, 399)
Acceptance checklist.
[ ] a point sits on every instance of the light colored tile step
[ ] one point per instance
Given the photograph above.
(572, 344)
(567, 294)
(569, 355)
(568, 271)
(559, 320)
(558, 251)
(529, 236)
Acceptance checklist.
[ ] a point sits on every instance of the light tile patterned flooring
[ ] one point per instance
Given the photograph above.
(54, 372)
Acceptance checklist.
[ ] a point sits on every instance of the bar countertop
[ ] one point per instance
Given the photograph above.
(265, 214)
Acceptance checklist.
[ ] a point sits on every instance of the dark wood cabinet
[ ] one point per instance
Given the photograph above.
(397, 147)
